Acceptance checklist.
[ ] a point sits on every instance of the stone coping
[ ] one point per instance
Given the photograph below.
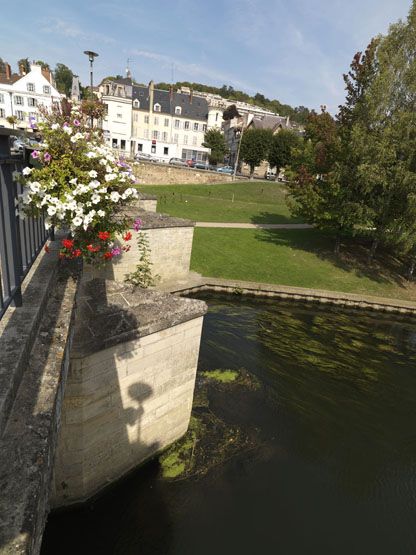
(111, 313)
(352, 300)
(155, 220)
(146, 196)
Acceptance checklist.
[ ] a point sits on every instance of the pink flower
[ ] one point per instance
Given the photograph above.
(116, 251)
(77, 123)
(47, 157)
(35, 154)
(137, 224)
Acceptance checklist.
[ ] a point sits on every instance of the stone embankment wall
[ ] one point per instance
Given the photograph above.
(164, 174)
(126, 401)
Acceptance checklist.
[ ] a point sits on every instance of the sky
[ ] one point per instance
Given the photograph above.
(293, 50)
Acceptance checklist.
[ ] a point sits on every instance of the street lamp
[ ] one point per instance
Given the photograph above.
(91, 55)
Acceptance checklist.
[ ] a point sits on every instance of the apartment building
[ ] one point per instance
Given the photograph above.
(21, 96)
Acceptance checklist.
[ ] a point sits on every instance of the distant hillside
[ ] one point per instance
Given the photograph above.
(298, 114)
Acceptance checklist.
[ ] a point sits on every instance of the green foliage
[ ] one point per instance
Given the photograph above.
(280, 152)
(63, 78)
(142, 276)
(214, 140)
(43, 65)
(2, 66)
(23, 64)
(221, 376)
(255, 145)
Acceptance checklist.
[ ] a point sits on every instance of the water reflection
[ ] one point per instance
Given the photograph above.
(335, 467)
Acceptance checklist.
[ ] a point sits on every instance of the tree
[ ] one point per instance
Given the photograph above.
(2, 66)
(23, 65)
(280, 152)
(255, 145)
(44, 65)
(12, 120)
(63, 78)
(214, 140)
(230, 113)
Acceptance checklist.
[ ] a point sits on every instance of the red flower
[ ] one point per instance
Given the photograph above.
(126, 248)
(67, 243)
(108, 255)
(76, 253)
(127, 236)
(103, 235)
(47, 249)
(93, 249)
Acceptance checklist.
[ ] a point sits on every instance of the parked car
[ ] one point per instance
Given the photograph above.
(190, 163)
(177, 162)
(226, 169)
(143, 157)
(202, 166)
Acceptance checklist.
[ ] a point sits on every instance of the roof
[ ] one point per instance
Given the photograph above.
(269, 122)
(194, 107)
(14, 77)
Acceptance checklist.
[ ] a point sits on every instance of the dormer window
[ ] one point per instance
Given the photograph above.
(30, 87)
(178, 110)
(157, 107)
(136, 103)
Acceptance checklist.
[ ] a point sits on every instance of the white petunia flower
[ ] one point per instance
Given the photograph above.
(101, 213)
(110, 177)
(94, 184)
(114, 196)
(77, 221)
(73, 181)
(67, 129)
(51, 210)
(55, 126)
(91, 154)
(103, 162)
(34, 186)
(92, 173)
(27, 170)
(95, 199)
(16, 175)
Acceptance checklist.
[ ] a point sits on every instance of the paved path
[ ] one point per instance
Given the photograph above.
(253, 226)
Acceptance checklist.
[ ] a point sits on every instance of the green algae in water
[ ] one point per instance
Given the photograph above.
(222, 376)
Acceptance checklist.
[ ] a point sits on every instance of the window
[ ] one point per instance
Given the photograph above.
(186, 125)
(196, 127)
(177, 123)
(2, 113)
(156, 121)
(46, 89)
(166, 122)
(204, 127)
(185, 139)
(135, 117)
(146, 133)
(216, 116)
(120, 116)
(20, 115)
(175, 138)
(194, 140)
(139, 147)
(106, 109)
(164, 136)
(1, 98)
(155, 134)
(123, 144)
(18, 100)
(165, 150)
(115, 143)
(136, 103)
(153, 149)
(157, 107)
(178, 110)
(30, 87)
(146, 119)
(32, 101)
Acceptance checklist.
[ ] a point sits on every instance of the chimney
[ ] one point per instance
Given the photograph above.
(47, 75)
(8, 70)
(22, 70)
(151, 95)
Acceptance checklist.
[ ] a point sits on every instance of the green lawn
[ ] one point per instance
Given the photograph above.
(301, 258)
(248, 202)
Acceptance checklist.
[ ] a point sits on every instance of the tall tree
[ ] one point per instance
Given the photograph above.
(43, 65)
(63, 78)
(214, 140)
(255, 145)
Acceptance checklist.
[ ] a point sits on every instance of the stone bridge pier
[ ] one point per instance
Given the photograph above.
(96, 377)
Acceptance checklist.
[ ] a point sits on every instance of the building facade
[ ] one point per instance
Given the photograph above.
(22, 95)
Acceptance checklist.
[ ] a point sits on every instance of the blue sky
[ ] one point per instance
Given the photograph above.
(292, 50)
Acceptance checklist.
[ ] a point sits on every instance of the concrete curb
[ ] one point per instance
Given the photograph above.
(350, 300)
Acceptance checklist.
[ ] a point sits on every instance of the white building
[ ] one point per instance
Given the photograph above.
(22, 95)
(166, 124)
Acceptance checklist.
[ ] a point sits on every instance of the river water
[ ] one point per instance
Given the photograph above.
(327, 463)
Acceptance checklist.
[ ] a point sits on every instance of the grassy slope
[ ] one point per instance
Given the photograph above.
(300, 258)
(253, 202)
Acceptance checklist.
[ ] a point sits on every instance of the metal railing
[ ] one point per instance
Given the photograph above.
(20, 240)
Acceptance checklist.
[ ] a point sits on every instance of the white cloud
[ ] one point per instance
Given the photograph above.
(62, 27)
